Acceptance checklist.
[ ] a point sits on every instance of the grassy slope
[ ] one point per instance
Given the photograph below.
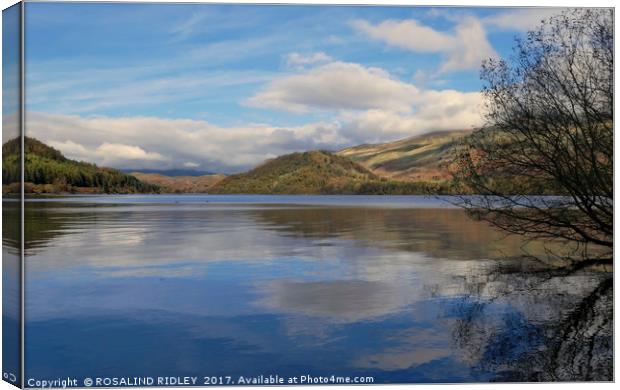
(180, 184)
(297, 173)
(46, 170)
(422, 158)
(314, 172)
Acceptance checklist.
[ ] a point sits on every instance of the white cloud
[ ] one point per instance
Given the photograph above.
(108, 154)
(112, 152)
(149, 142)
(337, 85)
(373, 126)
(71, 149)
(372, 106)
(463, 49)
(520, 19)
(156, 143)
(407, 34)
(366, 104)
(297, 60)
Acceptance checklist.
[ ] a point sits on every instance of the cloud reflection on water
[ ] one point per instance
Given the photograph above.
(378, 289)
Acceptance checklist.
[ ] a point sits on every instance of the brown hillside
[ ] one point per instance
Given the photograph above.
(180, 184)
(420, 158)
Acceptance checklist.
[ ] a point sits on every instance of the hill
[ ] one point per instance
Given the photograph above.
(422, 158)
(180, 184)
(313, 172)
(46, 170)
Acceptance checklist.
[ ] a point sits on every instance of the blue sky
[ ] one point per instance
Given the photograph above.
(221, 88)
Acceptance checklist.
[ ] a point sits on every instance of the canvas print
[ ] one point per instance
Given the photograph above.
(227, 194)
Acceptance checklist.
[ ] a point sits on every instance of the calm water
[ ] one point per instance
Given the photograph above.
(404, 289)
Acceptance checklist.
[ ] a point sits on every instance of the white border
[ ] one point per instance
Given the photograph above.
(419, 3)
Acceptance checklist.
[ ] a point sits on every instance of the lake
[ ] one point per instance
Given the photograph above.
(400, 289)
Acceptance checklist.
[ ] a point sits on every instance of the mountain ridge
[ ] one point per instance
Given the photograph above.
(313, 172)
(425, 157)
(414, 165)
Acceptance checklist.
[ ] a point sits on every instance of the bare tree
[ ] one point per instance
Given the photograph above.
(549, 112)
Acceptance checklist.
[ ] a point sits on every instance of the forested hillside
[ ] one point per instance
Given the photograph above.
(315, 172)
(46, 170)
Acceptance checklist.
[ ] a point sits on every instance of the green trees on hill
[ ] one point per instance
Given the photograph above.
(47, 170)
(317, 172)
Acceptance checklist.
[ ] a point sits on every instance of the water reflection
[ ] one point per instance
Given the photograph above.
(421, 295)
(11, 291)
(562, 329)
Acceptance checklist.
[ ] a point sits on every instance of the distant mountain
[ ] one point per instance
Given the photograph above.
(422, 158)
(170, 172)
(46, 170)
(180, 184)
(415, 165)
(430, 159)
(313, 172)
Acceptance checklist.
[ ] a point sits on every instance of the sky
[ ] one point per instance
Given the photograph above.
(221, 88)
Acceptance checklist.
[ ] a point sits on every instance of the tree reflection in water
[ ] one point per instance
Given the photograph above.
(572, 342)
